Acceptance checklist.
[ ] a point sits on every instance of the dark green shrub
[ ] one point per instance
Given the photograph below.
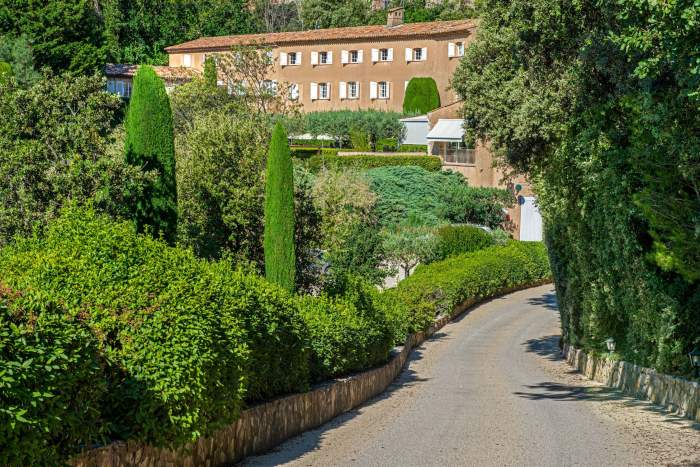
(299, 152)
(52, 387)
(183, 341)
(279, 212)
(149, 144)
(437, 288)
(434, 197)
(421, 96)
(459, 239)
(348, 330)
(365, 162)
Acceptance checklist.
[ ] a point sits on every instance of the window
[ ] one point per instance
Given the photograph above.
(187, 60)
(120, 87)
(324, 91)
(417, 54)
(459, 48)
(383, 90)
(269, 86)
(323, 58)
(292, 58)
(294, 91)
(354, 56)
(457, 153)
(384, 55)
(353, 90)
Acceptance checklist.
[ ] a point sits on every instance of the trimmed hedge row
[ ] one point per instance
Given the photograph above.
(365, 162)
(115, 335)
(437, 288)
(305, 152)
(182, 342)
(458, 239)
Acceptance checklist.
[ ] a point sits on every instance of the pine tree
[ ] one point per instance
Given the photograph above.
(421, 96)
(279, 212)
(210, 75)
(149, 145)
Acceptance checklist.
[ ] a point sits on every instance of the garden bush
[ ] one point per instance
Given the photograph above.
(458, 239)
(437, 288)
(365, 162)
(421, 96)
(435, 197)
(52, 387)
(413, 148)
(183, 341)
(348, 330)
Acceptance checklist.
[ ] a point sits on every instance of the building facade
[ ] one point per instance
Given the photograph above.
(365, 67)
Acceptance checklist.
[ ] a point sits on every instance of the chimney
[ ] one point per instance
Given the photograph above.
(394, 17)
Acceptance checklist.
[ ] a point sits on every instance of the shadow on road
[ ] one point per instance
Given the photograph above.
(546, 346)
(547, 300)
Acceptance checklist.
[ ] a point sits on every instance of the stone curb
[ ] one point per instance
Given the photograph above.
(678, 395)
(262, 427)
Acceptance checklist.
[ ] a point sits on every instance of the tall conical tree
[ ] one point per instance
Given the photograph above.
(149, 144)
(210, 74)
(279, 212)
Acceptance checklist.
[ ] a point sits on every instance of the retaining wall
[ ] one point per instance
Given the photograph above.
(678, 395)
(264, 426)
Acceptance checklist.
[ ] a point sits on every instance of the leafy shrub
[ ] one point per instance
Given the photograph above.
(437, 288)
(459, 239)
(51, 385)
(348, 330)
(413, 148)
(184, 341)
(421, 96)
(434, 197)
(304, 152)
(364, 162)
(341, 124)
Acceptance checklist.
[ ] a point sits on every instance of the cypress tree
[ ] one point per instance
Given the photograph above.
(210, 75)
(149, 145)
(279, 212)
(421, 96)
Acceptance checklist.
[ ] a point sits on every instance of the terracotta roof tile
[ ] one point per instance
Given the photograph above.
(171, 73)
(376, 32)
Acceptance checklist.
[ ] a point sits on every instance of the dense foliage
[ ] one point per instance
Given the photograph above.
(434, 197)
(455, 240)
(54, 140)
(348, 331)
(341, 125)
(365, 162)
(181, 341)
(279, 212)
(599, 102)
(17, 52)
(421, 96)
(437, 288)
(150, 145)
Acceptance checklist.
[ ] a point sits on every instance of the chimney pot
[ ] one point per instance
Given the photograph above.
(394, 17)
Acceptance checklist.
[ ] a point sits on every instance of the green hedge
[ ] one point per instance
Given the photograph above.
(183, 342)
(413, 148)
(458, 239)
(347, 333)
(305, 152)
(437, 288)
(421, 96)
(365, 162)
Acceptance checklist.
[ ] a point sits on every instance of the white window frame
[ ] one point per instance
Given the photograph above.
(324, 58)
(293, 91)
(417, 54)
(293, 58)
(354, 56)
(324, 87)
(383, 90)
(459, 48)
(353, 86)
(187, 60)
(384, 55)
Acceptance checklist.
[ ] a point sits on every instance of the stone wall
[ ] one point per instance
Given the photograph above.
(678, 395)
(264, 426)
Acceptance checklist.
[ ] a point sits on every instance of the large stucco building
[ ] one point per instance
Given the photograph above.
(365, 67)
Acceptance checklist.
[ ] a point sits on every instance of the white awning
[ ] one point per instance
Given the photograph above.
(419, 118)
(447, 129)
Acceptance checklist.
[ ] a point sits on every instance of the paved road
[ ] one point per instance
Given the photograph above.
(491, 390)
